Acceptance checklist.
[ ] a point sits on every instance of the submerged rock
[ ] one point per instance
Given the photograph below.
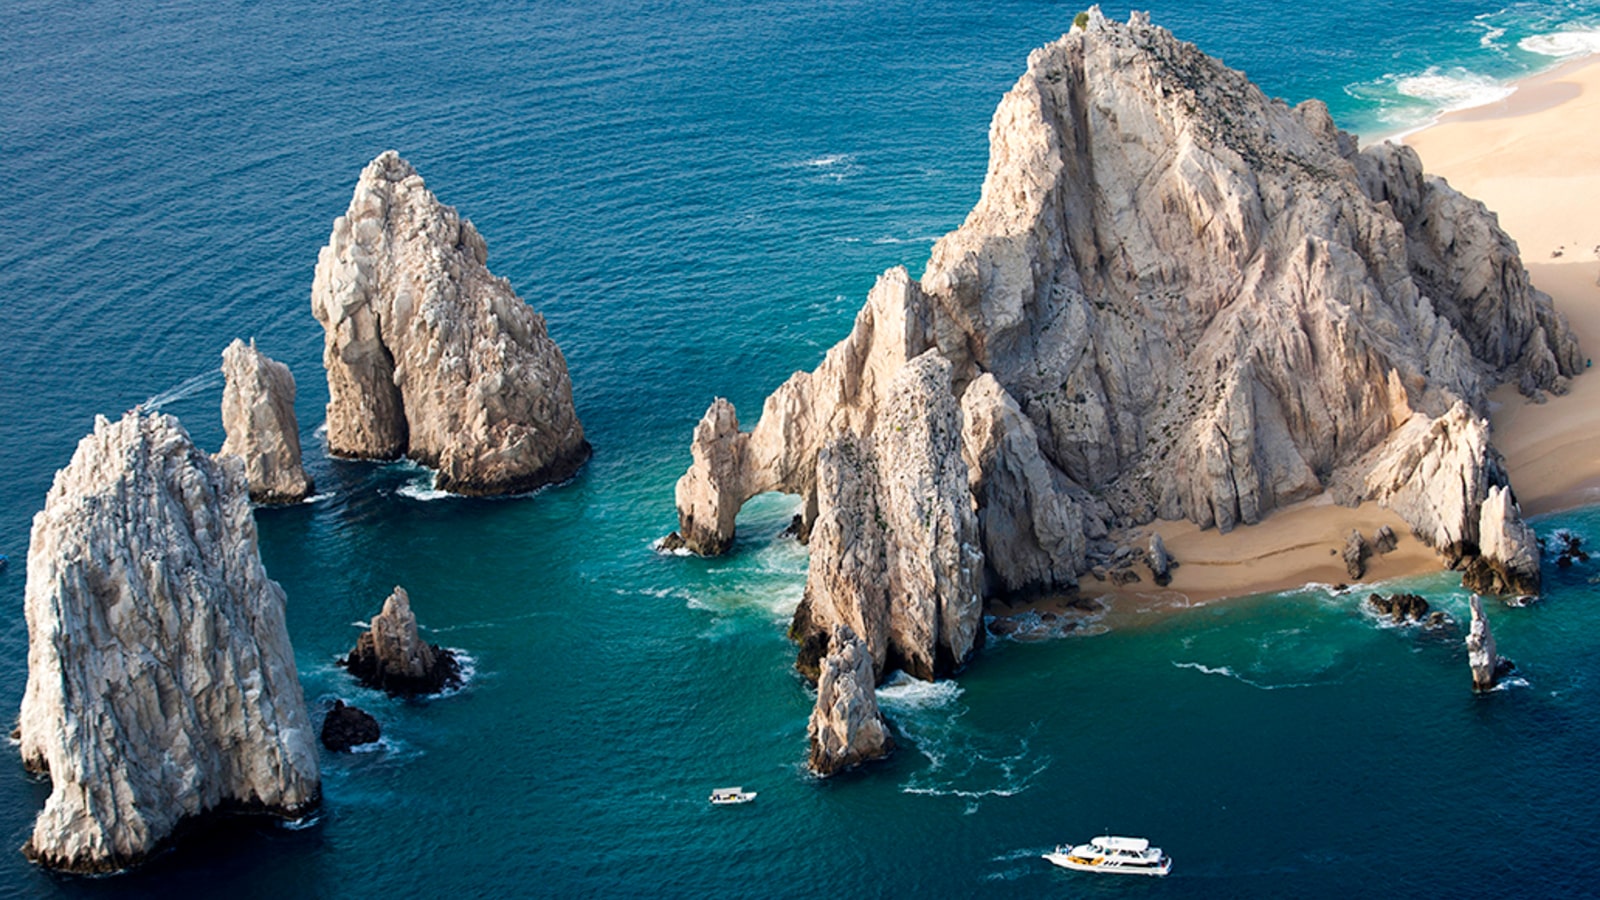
(431, 356)
(846, 729)
(161, 683)
(258, 415)
(391, 656)
(345, 727)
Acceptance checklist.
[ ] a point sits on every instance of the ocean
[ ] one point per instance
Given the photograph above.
(698, 196)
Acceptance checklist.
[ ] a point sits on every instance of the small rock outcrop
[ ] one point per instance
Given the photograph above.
(1508, 560)
(1568, 549)
(1481, 656)
(1160, 561)
(1400, 608)
(1356, 553)
(161, 683)
(846, 729)
(1384, 541)
(431, 356)
(345, 727)
(258, 415)
(895, 551)
(392, 656)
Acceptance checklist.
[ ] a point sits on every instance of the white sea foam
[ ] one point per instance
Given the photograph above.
(681, 551)
(422, 490)
(829, 160)
(1453, 89)
(1490, 36)
(1565, 44)
(469, 672)
(320, 498)
(302, 823)
(902, 693)
(1507, 684)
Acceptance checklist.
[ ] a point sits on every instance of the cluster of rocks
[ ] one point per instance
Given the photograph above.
(161, 683)
(1357, 549)
(1403, 609)
(1569, 549)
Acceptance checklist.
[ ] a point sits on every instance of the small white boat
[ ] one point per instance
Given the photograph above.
(1125, 855)
(730, 795)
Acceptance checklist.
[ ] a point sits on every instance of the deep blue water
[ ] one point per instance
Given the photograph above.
(698, 197)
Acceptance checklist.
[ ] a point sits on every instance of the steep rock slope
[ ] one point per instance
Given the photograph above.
(161, 684)
(431, 356)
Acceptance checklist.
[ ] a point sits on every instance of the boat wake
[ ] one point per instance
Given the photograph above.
(960, 763)
(199, 384)
(1229, 672)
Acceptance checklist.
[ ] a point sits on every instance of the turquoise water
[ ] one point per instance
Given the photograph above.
(698, 199)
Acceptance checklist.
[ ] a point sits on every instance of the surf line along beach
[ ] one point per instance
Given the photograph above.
(1532, 157)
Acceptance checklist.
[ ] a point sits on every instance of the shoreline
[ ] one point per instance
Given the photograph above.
(1534, 159)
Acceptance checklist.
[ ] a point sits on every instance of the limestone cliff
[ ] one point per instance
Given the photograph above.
(161, 684)
(258, 415)
(431, 356)
(895, 546)
(846, 729)
(1200, 303)
(392, 656)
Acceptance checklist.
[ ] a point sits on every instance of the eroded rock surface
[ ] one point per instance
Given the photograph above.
(1481, 656)
(392, 656)
(258, 415)
(895, 545)
(431, 356)
(161, 683)
(1508, 561)
(846, 728)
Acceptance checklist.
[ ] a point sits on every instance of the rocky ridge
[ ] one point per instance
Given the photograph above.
(161, 683)
(258, 415)
(431, 356)
(1175, 298)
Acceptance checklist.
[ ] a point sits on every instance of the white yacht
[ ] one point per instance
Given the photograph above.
(1126, 855)
(730, 795)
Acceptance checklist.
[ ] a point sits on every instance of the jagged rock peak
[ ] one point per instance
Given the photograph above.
(431, 356)
(258, 415)
(392, 656)
(846, 728)
(895, 550)
(1509, 550)
(161, 683)
(1481, 655)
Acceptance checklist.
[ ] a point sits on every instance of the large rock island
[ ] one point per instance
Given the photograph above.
(431, 356)
(1176, 298)
(161, 683)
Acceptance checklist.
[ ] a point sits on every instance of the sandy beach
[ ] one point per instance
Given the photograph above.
(1534, 159)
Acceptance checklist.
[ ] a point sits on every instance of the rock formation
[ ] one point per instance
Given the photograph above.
(1160, 561)
(1508, 560)
(161, 684)
(392, 656)
(1385, 540)
(895, 550)
(1399, 608)
(258, 415)
(1356, 553)
(429, 355)
(345, 727)
(1481, 656)
(1176, 298)
(846, 728)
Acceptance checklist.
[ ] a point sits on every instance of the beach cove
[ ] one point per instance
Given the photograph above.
(1277, 744)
